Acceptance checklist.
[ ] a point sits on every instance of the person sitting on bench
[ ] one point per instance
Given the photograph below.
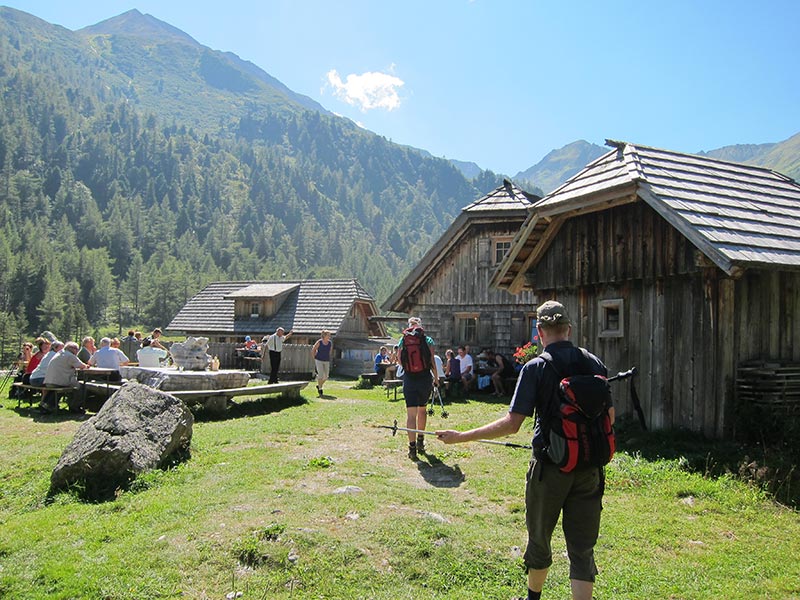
(381, 362)
(452, 370)
(61, 372)
(37, 376)
(109, 358)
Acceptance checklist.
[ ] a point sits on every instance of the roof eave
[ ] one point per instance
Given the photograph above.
(556, 215)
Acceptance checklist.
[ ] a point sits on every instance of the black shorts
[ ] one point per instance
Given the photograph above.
(417, 388)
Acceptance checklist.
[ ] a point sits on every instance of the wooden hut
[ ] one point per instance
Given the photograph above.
(685, 266)
(226, 311)
(449, 288)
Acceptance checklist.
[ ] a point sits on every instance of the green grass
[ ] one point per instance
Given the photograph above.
(310, 500)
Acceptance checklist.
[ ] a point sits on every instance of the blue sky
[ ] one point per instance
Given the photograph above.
(503, 82)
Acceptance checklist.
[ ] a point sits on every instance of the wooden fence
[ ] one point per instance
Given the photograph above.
(296, 361)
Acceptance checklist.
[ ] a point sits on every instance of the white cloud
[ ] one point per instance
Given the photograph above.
(367, 91)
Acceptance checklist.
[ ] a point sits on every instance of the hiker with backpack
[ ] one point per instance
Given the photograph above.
(566, 471)
(416, 358)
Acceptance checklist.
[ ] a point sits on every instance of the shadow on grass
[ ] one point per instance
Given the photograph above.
(38, 416)
(773, 467)
(249, 408)
(439, 474)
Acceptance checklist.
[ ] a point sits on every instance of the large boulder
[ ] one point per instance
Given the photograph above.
(137, 429)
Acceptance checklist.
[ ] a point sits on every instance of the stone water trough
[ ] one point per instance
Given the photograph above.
(191, 382)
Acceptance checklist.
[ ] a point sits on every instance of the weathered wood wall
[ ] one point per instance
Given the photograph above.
(461, 285)
(686, 326)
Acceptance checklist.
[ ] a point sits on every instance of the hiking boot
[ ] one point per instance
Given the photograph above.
(412, 451)
(420, 444)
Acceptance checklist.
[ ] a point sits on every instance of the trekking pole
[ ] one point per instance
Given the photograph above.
(624, 375)
(394, 428)
(637, 405)
(9, 374)
(435, 393)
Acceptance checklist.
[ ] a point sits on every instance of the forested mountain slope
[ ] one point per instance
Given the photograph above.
(115, 207)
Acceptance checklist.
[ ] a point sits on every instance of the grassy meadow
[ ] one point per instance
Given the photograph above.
(308, 499)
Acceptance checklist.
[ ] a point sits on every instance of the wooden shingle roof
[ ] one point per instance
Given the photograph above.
(507, 202)
(738, 215)
(309, 307)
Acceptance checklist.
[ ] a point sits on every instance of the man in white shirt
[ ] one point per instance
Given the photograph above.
(109, 358)
(150, 355)
(275, 347)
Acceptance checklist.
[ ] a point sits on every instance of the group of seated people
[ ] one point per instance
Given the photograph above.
(458, 368)
(55, 364)
(251, 348)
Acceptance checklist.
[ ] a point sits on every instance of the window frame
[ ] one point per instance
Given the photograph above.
(605, 310)
(496, 243)
(461, 327)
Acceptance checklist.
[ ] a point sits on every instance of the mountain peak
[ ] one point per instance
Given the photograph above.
(137, 24)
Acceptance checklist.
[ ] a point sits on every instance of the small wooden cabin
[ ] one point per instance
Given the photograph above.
(449, 288)
(684, 266)
(227, 311)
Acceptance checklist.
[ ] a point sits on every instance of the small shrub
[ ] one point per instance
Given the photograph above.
(249, 553)
(272, 533)
(321, 462)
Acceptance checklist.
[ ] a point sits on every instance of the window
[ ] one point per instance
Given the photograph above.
(501, 248)
(611, 318)
(254, 310)
(467, 328)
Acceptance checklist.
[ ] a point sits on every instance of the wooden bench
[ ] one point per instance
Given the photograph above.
(217, 400)
(373, 378)
(41, 390)
(99, 388)
(392, 384)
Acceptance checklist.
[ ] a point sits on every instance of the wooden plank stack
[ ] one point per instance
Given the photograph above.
(774, 385)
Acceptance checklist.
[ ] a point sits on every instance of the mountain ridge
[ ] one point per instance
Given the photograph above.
(136, 171)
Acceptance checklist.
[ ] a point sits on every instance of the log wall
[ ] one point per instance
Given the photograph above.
(460, 284)
(686, 326)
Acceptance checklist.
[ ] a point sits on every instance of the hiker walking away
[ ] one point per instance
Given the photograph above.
(416, 358)
(275, 347)
(321, 352)
(577, 495)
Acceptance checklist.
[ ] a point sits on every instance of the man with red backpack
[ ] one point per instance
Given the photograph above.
(416, 357)
(574, 492)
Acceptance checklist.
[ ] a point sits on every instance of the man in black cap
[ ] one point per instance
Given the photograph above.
(549, 491)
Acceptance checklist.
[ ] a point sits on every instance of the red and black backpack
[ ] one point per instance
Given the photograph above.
(578, 431)
(415, 355)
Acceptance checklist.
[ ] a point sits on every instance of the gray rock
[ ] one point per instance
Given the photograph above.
(136, 430)
(191, 354)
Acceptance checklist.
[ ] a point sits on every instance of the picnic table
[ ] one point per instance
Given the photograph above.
(107, 376)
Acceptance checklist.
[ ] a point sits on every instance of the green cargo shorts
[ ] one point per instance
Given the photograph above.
(579, 495)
